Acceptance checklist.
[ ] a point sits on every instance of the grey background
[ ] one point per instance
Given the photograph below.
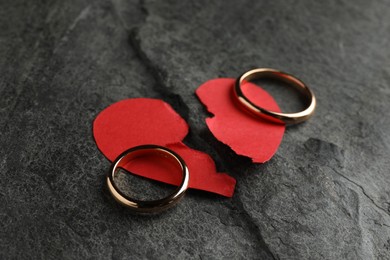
(324, 195)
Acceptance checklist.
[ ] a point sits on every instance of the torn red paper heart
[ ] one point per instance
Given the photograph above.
(139, 121)
(244, 133)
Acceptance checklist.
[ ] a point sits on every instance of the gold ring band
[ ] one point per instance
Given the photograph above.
(152, 205)
(288, 118)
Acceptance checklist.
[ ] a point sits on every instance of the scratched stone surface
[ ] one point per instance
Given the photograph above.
(324, 195)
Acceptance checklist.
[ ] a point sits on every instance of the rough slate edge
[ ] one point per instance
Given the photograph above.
(51, 238)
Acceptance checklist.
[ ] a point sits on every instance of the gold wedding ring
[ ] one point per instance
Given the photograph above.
(152, 205)
(288, 118)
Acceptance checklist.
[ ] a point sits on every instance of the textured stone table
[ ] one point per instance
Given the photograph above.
(324, 195)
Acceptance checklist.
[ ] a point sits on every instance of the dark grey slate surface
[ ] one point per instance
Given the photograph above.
(325, 194)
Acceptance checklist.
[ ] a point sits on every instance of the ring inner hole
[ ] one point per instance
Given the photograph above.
(149, 161)
(289, 98)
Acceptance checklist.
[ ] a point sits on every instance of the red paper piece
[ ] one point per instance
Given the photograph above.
(246, 134)
(139, 121)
